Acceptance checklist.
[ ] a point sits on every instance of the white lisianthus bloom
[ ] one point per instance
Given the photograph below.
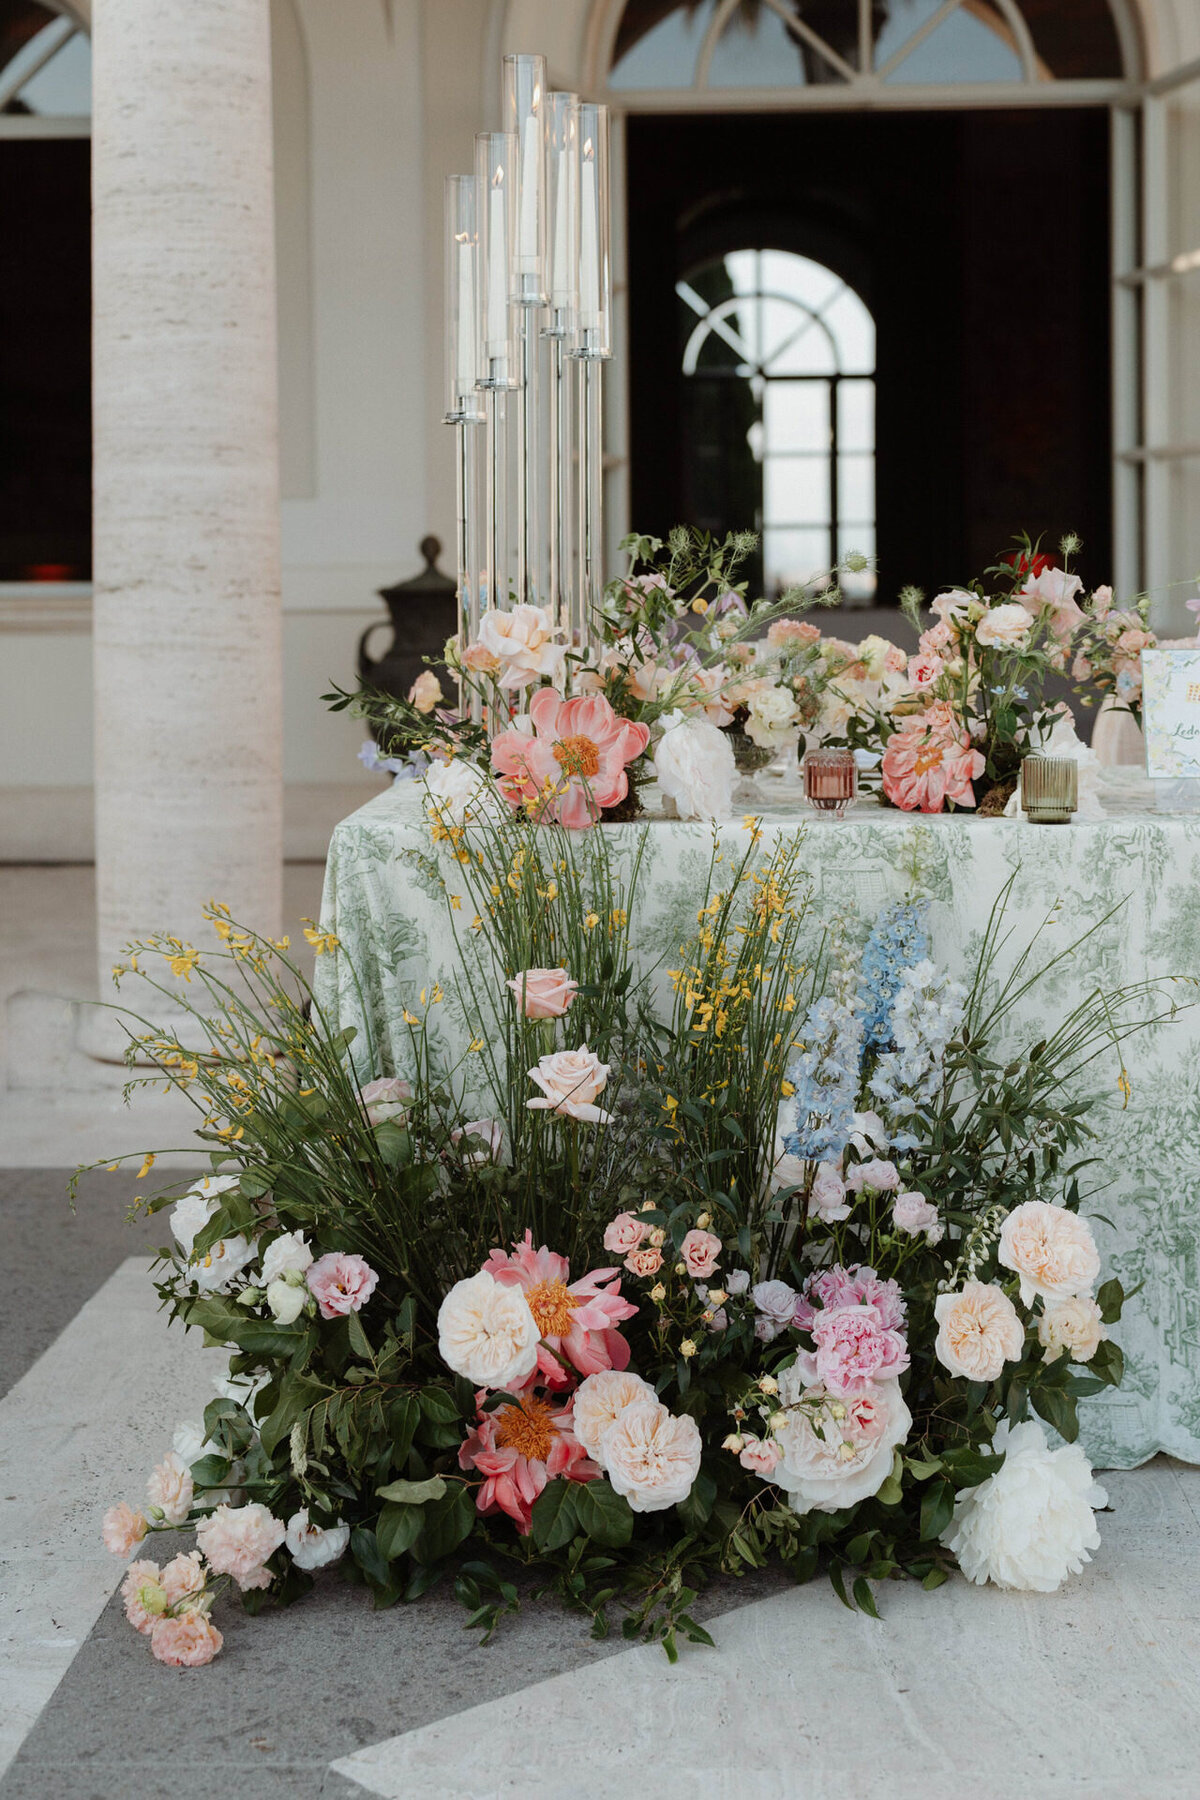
(834, 1453)
(285, 1300)
(459, 791)
(1004, 626)
(873, 651)
(1031, 1524)
(522, 639)
(315, 1546)
(487, 1333)
(190, 1442)
(652, 1456)
(600, 1400)
(214, 1268)
(288, 1254)
(694, 767)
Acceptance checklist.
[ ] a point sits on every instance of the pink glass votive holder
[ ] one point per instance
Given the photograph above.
(830, 780)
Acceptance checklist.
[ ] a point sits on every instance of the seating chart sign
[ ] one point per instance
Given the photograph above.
(1171, 712)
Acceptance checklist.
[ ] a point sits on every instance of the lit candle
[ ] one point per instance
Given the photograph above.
(531, 144)
(464, 359)
(497, 271)
(589, 232)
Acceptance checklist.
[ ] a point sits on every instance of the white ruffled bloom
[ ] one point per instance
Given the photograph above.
(836, 1452)
(216, 1267)
(600, 1400)
(286, 1301)
(169, 1490)
(1031, 1524)
(487, 1333)
(694, 767)
(315, 1546)
(771, 716)
(287, 1254)
(651, 1455)
(460, 791)
(1004, 626)
(191, 1442)
(522, 639)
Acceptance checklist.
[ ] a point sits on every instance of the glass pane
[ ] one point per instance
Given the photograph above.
(794, 340)
(756, 50)
(1183, 509)
(853, 332)
(856, 487)
(1183, 174)
(796, 276)
(796, 416)
(63, 89)
(793, 558)
(795, 490)
(661, 54)
(972, 44)
(856, 415)
(21, 20)
(1183, 315)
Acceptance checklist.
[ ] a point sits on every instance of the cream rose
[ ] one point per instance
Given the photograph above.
(652, 1457)
(237, 1540)
(1050, 1249)
(570, 1081)
(1072, 1324)
(523, 642)
(487, 1333)
(426, 692)
(543, 993)
(978, 1331)
(600, 1400)
(1004, 626)
(169, 1489)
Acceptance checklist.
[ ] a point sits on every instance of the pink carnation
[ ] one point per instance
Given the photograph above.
(855, 1348)
(624, 1233)
(184, 1575)
(340, 1283)
(123, 1529)
(518, 1449)
(140, 1575)
(700, 1251)
(924, 670)
(237, 1540)
(576, 1320)
(187, 1642)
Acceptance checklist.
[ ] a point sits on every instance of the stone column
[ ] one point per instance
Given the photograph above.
(187, 635)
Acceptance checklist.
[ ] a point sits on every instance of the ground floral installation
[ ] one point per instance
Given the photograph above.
(773, 1257)
(687, 670)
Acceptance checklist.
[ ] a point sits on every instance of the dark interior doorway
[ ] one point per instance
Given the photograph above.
(979, 243)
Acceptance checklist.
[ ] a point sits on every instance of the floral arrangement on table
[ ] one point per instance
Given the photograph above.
(777, 1261)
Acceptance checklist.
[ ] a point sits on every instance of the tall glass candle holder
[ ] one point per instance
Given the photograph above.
(830, 780)
(498, 366)
(524, 84)
(559, 328)
(592, 348)
(464, 407)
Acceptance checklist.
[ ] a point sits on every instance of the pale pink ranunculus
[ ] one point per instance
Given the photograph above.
(169, 1489)
(141, 1575)
(828, 1199)
(184, 1574)
(518, 1449)
(913, 1213)
(882, 1177)
(426, 692)
(524, 641)
(1071, 1323)
(978, 1331)
(644, 1263)
(570, 1080)
(340, 1283)
(387, 1098)
(1005, 626)
(855, 1349)
(187, 1642)
(123, 1529)
(602, 1398)
(651, 1455)
(543, 993)
(760, 1456)
(700, 1252)
(1053, 592)
(576, 1320)
(573, 764)
(792, 631)
(1050, 1249)
(931, 761)
(924, 670)
(624, 1233)
(237, 1540)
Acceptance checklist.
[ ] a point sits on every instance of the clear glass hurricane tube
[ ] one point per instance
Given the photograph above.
(588, 588)
(470, 436)
(525, 111)
(561, 324)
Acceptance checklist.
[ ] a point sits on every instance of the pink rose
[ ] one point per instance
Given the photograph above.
(624, 1233)
(759, 1456)
(912, 1213)
(123, 1529)
(187, 1642)
(828, 1199)
(700, 1251)
(883, 1177)
(341, 1284)
(140, 1575)
(935, 640)
(855, 1349)
(570, 1080)
(387, 1098)
(237, 1540)
(924, 670)
(544, 993)
(489, 1131)
(644, 1262)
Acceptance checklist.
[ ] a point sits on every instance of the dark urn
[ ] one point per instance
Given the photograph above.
(423, 613)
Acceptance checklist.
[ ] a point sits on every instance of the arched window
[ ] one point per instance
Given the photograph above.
(781, 351)
(45, 63)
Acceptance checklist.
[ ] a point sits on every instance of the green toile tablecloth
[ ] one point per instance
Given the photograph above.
(385, 902)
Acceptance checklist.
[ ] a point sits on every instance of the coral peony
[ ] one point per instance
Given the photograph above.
(543, 993)
(1051, 1249)
(187, 1642)
(601, 1399)
(978, 1331)
(1032, 1523)
(694, 766)
(237, 1540)
(570, 1081)
(341, 1284)
(518, 1449)
(834, 1453)
(700, 1251)
(169, 1490)
(123, 1529)
(574, 1320)
(487, 1333)
(931, 761)
(573, 763)
(652, 1457)
(1071, 1323)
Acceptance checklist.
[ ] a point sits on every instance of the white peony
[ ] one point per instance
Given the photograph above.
(600, 1400)
(286, 1301)
(694, 766)
(1031, 1524)
(315, 1546)
(214, 1268)
(487, 1333)
(834, 1453)
(287, 1254)
(459, 791)
(652, 1456)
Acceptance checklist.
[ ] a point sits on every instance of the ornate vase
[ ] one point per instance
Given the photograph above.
(423, 613)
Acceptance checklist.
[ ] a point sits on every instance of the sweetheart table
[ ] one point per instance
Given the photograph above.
(385, 903)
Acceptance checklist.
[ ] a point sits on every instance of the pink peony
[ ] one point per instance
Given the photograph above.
(644, 1262)
(759, 1456)
(139, 1576)
(931, 761)
(574, 764)
(187, 1642)
(543, 993)
(855, 1349)
(575, 1320)
(700, 1251)
(624, 1233)
(123, 1529)
(237, 1540)
(570, 1080)
(884, 1296)
(340, 1283)
(518, 1449)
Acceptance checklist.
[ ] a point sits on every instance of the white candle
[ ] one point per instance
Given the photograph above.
(465, 351)
(589, 233)
(528, 224)
(561, 246)
(497, 268)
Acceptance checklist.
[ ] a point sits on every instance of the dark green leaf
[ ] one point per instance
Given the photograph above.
(555, 1521)
(446, 1522)
(864, 1596)
(398, 1529)
(603, 1514)
(937, 1509)
(413, 1493)
(1110, 1300)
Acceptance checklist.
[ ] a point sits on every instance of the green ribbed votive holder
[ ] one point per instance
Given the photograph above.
(1049, 789)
